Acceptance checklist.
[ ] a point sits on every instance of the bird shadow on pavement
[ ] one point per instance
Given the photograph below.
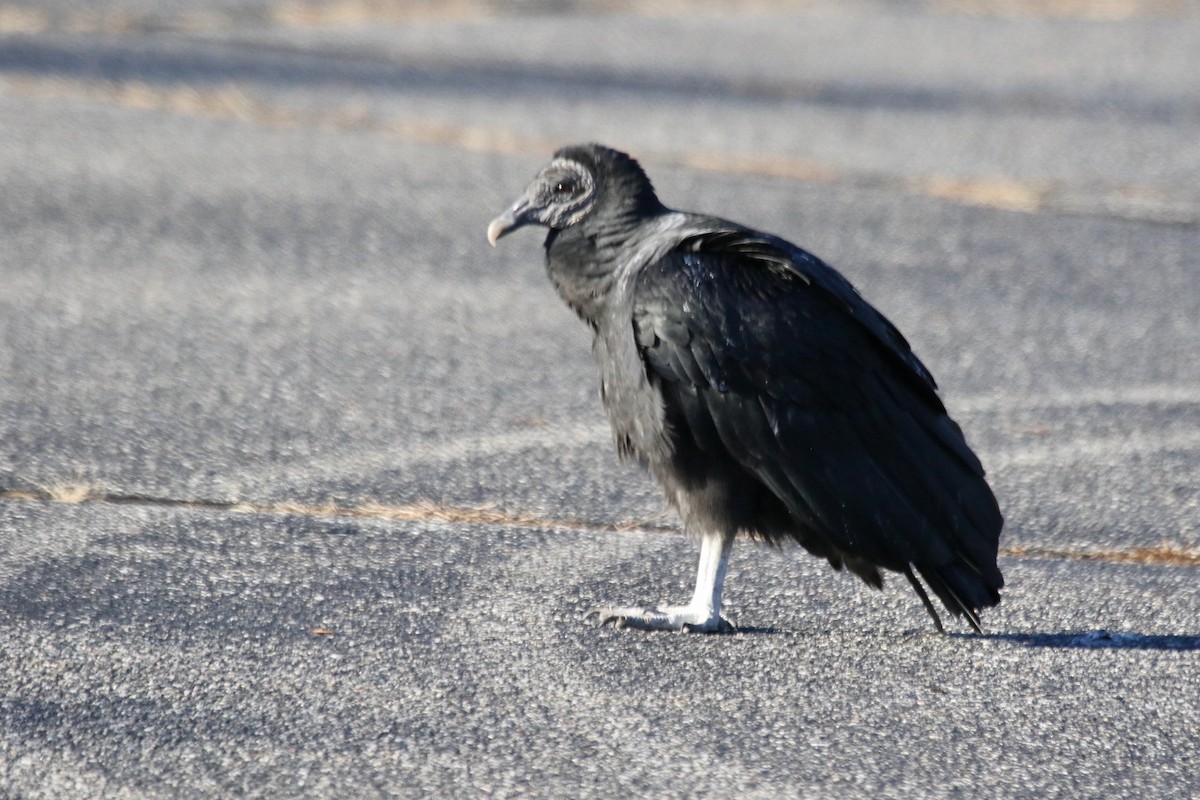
(752, 630)
(1097, 640)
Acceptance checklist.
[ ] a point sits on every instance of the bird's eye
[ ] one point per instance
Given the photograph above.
(564, 187)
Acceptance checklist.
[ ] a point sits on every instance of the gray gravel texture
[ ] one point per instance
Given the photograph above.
(250, 317)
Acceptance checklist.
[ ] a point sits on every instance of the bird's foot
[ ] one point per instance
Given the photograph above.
(689, 619)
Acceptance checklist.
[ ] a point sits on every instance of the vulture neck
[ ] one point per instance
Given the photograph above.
(586, 261)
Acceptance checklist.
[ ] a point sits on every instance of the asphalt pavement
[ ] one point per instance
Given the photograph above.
(304, 489)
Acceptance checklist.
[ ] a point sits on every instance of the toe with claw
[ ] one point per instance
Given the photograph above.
(688, 619)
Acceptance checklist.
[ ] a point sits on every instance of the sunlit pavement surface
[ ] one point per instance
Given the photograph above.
(304, 489)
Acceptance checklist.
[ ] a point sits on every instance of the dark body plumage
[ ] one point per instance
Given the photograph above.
(760, 389)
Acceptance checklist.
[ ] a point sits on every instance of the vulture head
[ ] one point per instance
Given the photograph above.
(581, 181)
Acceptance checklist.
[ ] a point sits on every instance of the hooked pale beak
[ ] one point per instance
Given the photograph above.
(509, 221)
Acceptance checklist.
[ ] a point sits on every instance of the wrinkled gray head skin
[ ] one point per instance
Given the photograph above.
(561, 195)
(583, 183)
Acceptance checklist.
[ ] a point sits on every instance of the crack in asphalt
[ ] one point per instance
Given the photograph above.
(28, 18)
(235, 101)
(1165, 554)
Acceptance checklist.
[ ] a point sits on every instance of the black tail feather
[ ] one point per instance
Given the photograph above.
(920, 590)
(962, 591)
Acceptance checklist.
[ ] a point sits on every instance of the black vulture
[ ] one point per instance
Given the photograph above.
(762, 392)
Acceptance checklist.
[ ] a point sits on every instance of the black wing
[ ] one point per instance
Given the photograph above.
(767, 356)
